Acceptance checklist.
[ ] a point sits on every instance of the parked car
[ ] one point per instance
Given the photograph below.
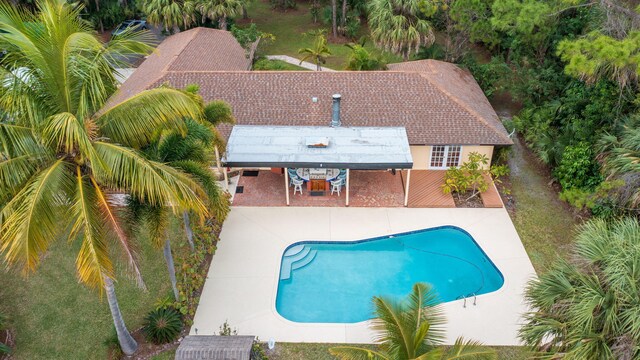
(134, 25)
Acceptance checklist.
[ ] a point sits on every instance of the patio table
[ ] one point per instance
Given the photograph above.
(308, 174)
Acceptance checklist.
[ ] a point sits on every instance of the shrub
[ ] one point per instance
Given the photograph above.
(227, 330)
(257, 352)
(578, 169)
(266, 64)
(162, 326)
(470, 176)
(361, 59)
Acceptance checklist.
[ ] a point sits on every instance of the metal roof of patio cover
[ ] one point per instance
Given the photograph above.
(361, 148)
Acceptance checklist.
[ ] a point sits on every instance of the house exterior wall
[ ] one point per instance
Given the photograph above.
(486, 150)
(421, 154)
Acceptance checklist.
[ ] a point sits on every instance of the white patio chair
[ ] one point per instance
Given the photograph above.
(336, 186)
(297, 185)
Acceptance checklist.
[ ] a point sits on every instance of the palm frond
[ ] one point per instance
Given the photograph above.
(422, 306)
(92, 262)
(469, 349)
(355, 353)
(219, 112)
(157, 220)
(14, 172)
(152, 182)
(32, 217)
(217, 202)
(19, 140)
(135, 121)
(65, 133)
(113, 224)
(395, 333)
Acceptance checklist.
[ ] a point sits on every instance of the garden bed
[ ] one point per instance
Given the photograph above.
(465, 200)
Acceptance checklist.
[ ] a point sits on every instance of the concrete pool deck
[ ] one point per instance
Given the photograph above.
(242, 282)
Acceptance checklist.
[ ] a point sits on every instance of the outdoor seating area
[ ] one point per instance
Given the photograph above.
(368, 188)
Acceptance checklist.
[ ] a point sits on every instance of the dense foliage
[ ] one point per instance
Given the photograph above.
(588, 308)
(573, 66)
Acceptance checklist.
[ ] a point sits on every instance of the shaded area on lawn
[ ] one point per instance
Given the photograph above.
(55, 317)
(545, 224)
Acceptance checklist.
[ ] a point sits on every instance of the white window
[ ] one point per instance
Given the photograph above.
(445, 156)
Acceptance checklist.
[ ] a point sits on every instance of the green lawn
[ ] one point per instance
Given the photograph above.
(289, 28)
(544, 223)
(55, 317)
(266, 64)
(287, 351)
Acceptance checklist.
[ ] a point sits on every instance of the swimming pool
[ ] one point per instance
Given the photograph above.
(333, 282)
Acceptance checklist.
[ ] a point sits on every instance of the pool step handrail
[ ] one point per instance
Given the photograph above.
(464, 299)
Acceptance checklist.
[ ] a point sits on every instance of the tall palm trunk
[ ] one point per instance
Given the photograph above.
(188, 230)
(334, 25)
(245, 15)
(127, 343)
(316, 8)
(100, 24)
(343, 19)
(222, 23)
(168, 257)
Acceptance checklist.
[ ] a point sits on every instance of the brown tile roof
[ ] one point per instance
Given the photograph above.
(199, 49)
(437, 102)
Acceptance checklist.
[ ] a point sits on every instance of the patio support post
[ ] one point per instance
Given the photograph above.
(347, 188)
(286, 184)
(224, 172)
(406, 188)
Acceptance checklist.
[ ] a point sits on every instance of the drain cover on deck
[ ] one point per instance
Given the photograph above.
(317, 193)
(240, 189)
(250, 173)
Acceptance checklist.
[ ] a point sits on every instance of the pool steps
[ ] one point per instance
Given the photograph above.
(304, 261)
(296, 258)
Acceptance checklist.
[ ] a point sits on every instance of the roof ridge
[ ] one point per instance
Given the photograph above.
(461, 103)
(192, 35)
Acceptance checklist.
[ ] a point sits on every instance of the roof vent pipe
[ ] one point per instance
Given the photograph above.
(335, 117)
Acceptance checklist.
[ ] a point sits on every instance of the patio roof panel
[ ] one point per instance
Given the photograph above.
(368, 148)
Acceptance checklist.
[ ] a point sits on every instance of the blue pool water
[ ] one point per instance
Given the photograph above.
(329, 282)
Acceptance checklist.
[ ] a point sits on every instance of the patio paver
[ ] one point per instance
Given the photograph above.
(367, 189)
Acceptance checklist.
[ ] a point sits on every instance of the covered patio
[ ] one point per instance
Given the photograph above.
(320, 162)
(375, 188)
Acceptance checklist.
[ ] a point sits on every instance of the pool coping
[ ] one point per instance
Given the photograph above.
(498, 327)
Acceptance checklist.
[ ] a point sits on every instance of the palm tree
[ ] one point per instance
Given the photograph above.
(319, 52)
(411, 329)
(170, 13)
(396, 26)
(588, 308)
(220, 10)
(189, 153)
(361, 60)
(334, 23)
(61, 151)
(620, 156)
